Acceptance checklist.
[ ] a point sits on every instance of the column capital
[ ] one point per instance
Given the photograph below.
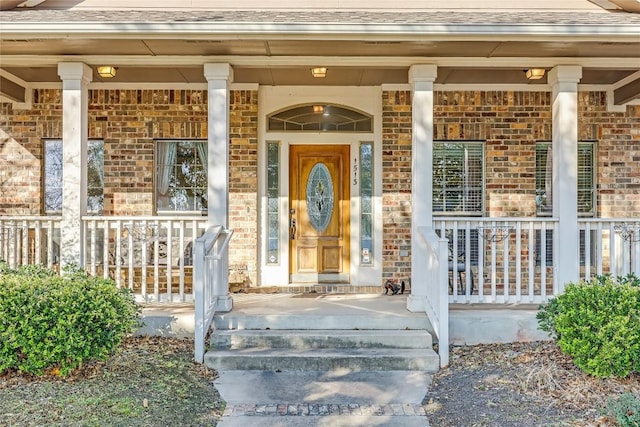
(565, 74)
(423, 73)
(75, 71)
(218, 71)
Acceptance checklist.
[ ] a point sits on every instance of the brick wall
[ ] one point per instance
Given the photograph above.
(618, 154)
(129, 121)
(396, 184)
(243, 181)
(21, 151)
(510, 123)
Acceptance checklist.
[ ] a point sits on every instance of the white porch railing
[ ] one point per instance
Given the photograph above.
(436, 300)
(506, 260)
(210, 282)
(30, 240)
(151, 255)
(609, 246)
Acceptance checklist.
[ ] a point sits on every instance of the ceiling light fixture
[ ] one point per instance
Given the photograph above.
(319, 72)
(318, 109)
(106, 71)
(535, 73)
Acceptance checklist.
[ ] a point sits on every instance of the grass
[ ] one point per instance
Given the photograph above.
(148, 382)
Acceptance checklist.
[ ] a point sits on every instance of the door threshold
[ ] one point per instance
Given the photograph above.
(317, 288)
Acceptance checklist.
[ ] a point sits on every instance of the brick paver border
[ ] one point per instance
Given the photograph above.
(327, 409)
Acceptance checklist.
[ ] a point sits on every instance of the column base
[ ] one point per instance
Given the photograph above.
(224, 303)
(415, 303)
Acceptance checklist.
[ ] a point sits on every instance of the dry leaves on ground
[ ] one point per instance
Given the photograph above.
(147, 382)
(520, 384)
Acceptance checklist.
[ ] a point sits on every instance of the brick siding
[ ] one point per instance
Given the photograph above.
(509, 123)
(396, 184)
(618, 154)
(21, 151)
(243, 181)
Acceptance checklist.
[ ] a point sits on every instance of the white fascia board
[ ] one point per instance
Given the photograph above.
(303, 61)
(628, 79)
(319, 30)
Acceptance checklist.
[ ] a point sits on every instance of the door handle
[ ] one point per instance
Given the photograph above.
(292, 228)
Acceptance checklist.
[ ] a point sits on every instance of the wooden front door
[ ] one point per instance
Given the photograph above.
(319, 215)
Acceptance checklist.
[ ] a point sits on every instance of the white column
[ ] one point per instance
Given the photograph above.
(564, 82)
(75, 77)
(219, 77)
(421, 78)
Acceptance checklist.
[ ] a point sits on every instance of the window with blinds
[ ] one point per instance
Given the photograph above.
(586, 197)
(586, 179)
(458, 177)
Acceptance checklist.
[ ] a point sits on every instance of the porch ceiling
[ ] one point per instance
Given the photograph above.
(31, 58)
(336, 76)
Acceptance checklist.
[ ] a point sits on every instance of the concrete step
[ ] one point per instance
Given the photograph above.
(306, 339)
(357, 359)
(235, 320)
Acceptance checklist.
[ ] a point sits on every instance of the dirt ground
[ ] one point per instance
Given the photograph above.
(148, 382)
(519, 385)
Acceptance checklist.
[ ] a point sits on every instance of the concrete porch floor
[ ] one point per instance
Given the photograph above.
(176, 320)
(469, 324)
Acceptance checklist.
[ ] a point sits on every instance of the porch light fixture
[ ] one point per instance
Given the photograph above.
(535, 73)
(106, 71)
(319, 72)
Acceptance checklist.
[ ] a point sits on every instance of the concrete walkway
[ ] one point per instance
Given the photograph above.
(323, 398)
(309, 398)
(336, 398)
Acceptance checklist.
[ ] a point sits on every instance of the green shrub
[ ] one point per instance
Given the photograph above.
(625, 409)
(49, 321)
(597, 323)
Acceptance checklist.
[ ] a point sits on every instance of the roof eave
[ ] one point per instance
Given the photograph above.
(320, 30)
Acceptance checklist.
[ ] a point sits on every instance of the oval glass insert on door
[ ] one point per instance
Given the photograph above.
(320, 197)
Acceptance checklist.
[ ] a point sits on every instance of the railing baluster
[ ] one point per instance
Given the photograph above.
(613, 250)
(531, 261)
(130, 257)
(50, 245)
(181, 245)
(38, 242)
(518, 255)
(481, 253)
(169, 259)
(156, 261)
(25, 243)
(494, 268)
(454, 261)
(600, 246)
(505, 266)
(105, 248)
(467, 261)
(119, 252)
(543, 260)
(92, 245)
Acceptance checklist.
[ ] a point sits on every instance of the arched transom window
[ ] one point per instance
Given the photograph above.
(320, 117)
